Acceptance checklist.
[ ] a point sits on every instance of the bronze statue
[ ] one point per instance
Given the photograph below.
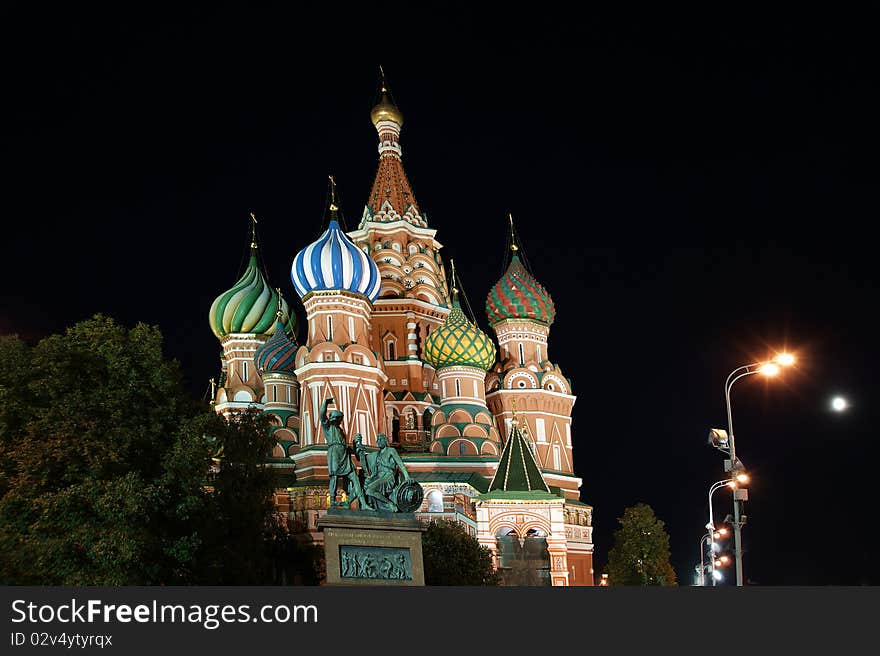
(382, 470)
(339, 463)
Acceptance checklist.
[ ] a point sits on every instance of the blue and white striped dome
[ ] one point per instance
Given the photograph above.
(334, 262)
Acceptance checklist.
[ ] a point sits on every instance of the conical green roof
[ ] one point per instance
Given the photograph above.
(517, 470)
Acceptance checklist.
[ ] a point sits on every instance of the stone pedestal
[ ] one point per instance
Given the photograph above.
(372, 548)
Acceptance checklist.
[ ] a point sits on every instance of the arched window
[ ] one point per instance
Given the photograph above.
(329, 328)
(390, 350)
(457, 387)
(522, 357)
(435, 501)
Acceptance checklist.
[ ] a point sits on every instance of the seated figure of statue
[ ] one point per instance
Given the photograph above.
(382, 470)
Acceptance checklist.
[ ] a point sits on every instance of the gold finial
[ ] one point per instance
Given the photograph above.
(279, 313)
(213, 390)
(385, 108)
(514, 421)
(253, 230)
(333, 206)
(454, 288)
(513, 245)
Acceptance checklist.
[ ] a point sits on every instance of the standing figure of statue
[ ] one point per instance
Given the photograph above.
(382, 468)
(339, 463)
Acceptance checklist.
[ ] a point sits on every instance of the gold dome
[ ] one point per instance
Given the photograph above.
(386, 110)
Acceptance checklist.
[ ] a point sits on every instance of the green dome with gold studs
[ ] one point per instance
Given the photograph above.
(458, 342)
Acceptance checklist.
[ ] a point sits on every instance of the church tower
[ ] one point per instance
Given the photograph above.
(529, 395)
(413, 298)
(275, 361)
(243, 318)
(338, 283)
(462, 353)
(521, 312)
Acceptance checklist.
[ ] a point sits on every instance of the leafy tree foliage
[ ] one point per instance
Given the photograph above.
(453, 557)
(103, 465)
(640, 555)
(242, 526)
(99, 479)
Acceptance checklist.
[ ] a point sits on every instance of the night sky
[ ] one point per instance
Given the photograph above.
(695, 192)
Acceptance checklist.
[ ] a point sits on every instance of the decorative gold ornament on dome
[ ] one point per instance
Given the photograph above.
(385, 109)
(513, 246)
(253, 230)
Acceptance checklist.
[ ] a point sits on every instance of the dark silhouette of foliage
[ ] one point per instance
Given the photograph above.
(104, 471)
(640, 555)
(453, 557)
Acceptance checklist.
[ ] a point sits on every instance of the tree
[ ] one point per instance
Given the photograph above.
(101, 481)
(243, 531)
(104, 471)
(453, 557)
(640, 555)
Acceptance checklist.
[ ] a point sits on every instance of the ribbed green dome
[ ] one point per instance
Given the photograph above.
(459, 342)
(250, 306)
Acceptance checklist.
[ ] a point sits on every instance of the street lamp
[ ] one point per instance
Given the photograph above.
(767, 368)
(711, 524)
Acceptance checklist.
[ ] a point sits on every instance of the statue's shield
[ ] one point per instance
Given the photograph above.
(408, 496)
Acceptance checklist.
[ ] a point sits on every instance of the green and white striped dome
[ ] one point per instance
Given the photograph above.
(250, 306)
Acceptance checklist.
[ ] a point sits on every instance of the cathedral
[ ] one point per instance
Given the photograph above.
(483, 425)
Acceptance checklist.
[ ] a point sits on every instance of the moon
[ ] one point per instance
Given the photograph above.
(839, 404)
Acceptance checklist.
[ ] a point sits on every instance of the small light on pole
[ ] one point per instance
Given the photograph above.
(839, 404)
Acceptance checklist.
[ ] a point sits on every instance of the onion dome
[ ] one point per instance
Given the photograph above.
(519, 296)
(278, 354)
(334, 262)
(458, 342)
(249, 307)
(385, 109)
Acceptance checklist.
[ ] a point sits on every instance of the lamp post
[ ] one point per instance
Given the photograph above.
(727, 482)
(768, 368)
(703, 560)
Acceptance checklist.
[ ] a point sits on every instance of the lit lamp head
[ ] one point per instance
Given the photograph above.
(785, 359)
(718, 437)
(769, 369)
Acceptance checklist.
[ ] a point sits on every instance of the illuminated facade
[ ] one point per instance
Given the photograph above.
(387, 339)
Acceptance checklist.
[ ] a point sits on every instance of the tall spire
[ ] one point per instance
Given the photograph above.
(391, 198)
